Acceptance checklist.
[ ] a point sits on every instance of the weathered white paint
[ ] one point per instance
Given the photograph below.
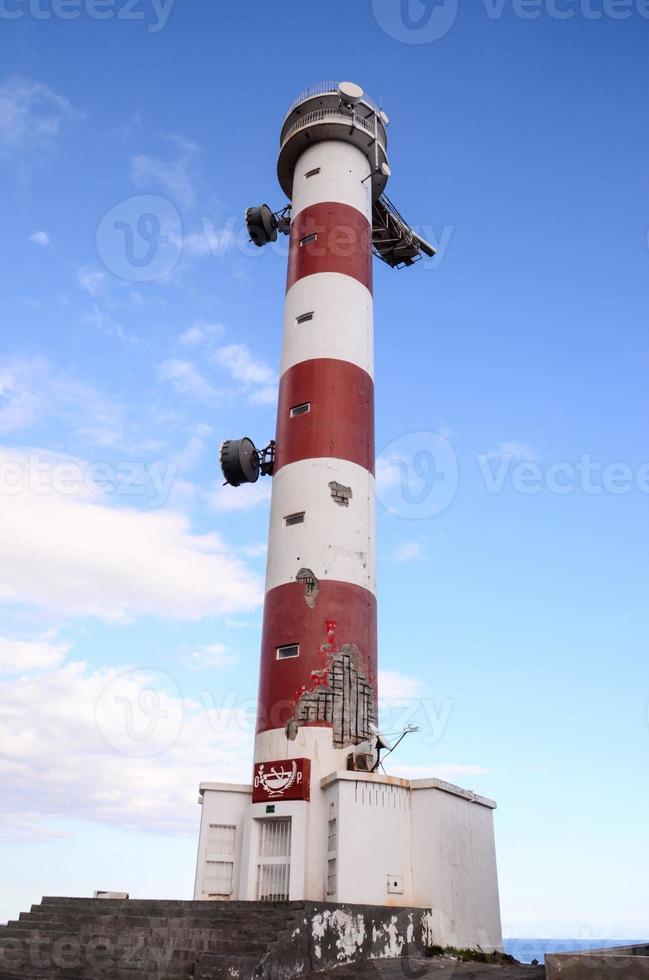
(222, 803)
(345, 927)
(437, 837)
(343, 178)
(342, 324)
(336, 543)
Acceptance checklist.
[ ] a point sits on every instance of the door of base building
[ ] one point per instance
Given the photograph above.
(274, 861)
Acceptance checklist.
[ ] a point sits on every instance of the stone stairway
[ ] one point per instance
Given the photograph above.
(112, 939)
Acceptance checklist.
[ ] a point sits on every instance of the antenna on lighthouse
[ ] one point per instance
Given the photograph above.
(383, 745)
(263, 224)
(350, 94)
(242, 462)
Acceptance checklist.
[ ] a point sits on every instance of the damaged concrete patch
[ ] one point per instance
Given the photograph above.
(341, 494)
(342, 697)
(311, 586)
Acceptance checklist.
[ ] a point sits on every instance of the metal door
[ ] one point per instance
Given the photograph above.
(274, 864)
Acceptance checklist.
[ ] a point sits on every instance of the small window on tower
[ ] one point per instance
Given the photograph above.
(300, 409)
(288, 652)
(309, 238)
(304, 317)
(312, 173)
(293, 519)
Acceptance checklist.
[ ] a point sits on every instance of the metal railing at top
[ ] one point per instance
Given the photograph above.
(321, 115)
(324, 88)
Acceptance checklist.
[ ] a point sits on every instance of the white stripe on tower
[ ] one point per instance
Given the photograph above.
(320, 584)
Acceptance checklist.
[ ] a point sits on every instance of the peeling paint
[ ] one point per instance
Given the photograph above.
(346, 930)
(410, 932)
(391, 942)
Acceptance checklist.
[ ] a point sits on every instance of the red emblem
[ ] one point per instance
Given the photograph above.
(289, 779)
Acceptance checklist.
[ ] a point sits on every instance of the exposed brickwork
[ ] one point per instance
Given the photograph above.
(345, 700)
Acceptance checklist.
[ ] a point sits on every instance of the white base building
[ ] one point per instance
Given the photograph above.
(361, 839)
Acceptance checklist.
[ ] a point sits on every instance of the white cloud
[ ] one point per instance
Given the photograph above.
(256, 550)
(226, 499)
(93, 281)
(186, 379)
(201, 333)
(40, 238)
(242, 366)
(31, 116)
(210, 241)
(259, 380)
(394, 686)
(20, 394)
(408, 551)
(214, 655)
(31, 390)
(177, 177)
(117, 746)
(78, 556)
(22, 656)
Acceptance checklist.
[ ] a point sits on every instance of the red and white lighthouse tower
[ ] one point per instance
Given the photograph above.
(318, 684)
(316, 795)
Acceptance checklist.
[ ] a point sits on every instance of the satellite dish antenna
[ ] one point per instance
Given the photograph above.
(381, 741)
(385, 119)
(385, 170)
(261, 224)
(240, 462)
(350, 93)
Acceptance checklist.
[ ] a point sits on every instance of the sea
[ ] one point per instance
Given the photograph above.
(527, 950)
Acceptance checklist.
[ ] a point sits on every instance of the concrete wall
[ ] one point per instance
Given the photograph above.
(329, 935)
(627, 963)
(374, 843)
(454, 864)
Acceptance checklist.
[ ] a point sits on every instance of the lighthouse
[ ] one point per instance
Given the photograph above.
(319, 821)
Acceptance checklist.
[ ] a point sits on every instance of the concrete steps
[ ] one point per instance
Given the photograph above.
(103, 939)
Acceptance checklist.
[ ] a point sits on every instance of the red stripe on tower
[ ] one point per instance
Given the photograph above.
(326, 408)
(288, 621)
(330, 237)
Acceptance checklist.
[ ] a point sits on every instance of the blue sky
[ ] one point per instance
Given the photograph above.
(512, 598)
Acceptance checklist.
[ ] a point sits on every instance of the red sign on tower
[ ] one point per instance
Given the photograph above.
(289, 779)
